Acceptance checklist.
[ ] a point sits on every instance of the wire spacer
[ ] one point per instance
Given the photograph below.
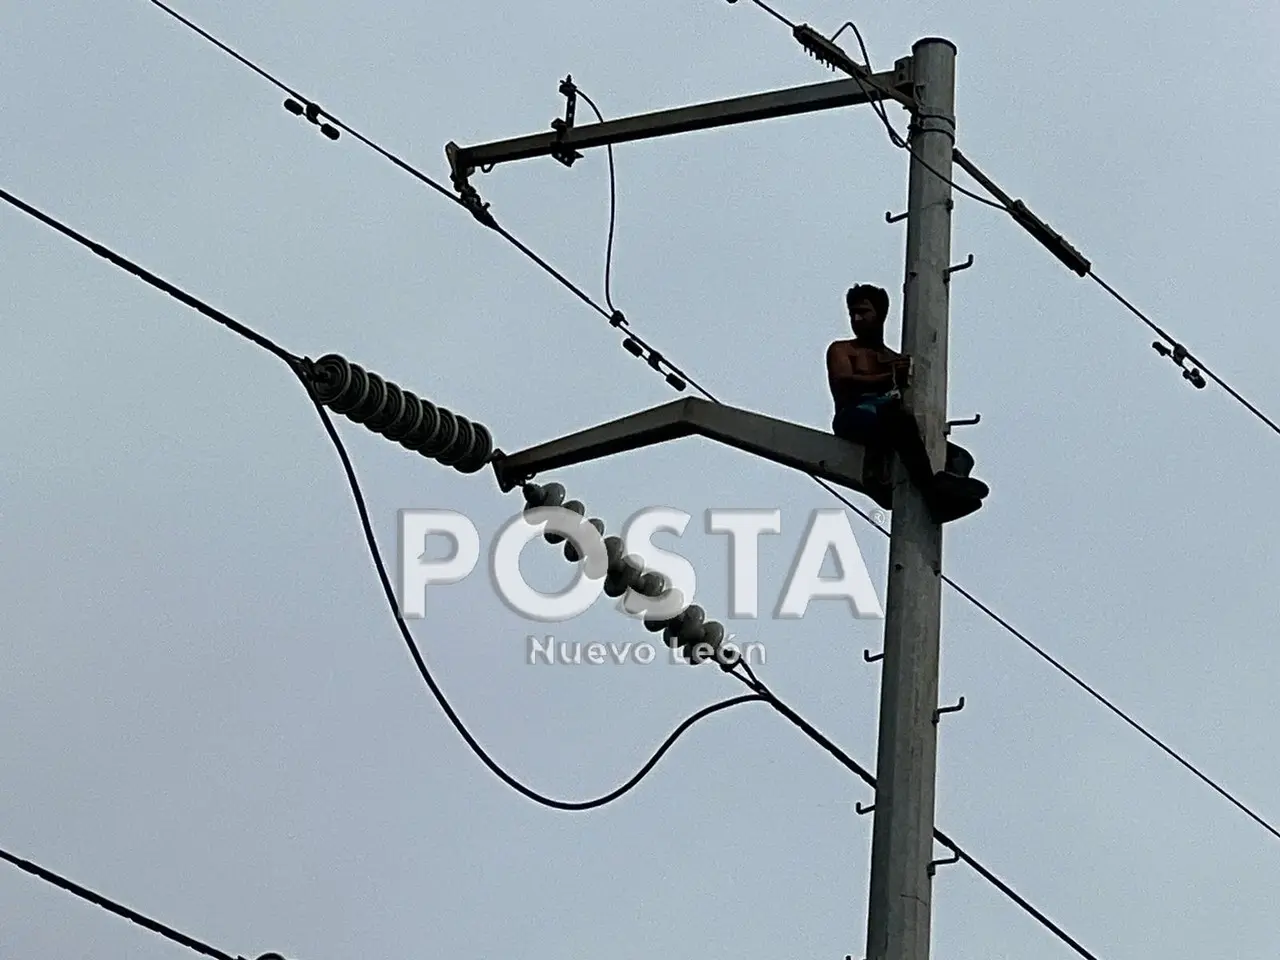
(313, 113)
(1179, 355)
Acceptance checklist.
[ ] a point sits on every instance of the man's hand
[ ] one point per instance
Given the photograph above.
(901, 369)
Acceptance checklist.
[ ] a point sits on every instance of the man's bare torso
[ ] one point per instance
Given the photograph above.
(861, 359)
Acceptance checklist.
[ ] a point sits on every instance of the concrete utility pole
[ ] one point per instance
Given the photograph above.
(898, 926)
(898, 916)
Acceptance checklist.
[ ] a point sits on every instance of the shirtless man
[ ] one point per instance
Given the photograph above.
(866, 378)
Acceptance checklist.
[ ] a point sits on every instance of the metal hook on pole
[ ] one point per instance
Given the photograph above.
(953, 709)
(890, 218)
(947, 861)
(975, 419)
(861, 810)
(956, 268)
(866, 655)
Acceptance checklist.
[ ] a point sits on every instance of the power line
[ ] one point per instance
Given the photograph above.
(1054, 242)
(1076, 679)
(760, 691)
(1236, 395)
(160, 284)
(866, 777)
(1065, 671)
(590, 302)
(771, 11)
(231, 52)
(120, 910)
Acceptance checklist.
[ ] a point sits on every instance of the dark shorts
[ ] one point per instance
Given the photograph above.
(863, 419)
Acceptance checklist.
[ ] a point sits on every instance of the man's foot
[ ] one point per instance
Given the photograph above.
(951, 497)
(944, 511)
(951, 485)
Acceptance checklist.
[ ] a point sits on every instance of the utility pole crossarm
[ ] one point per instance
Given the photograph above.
(887, 85)
(788, 444)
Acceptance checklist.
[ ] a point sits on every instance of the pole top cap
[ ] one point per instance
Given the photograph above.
(930, 40)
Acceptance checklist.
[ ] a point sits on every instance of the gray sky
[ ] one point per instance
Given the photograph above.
(205, 708)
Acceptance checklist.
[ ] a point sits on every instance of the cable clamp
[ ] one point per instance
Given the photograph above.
(566, 155)
(313, 113)
(1178, 354)
(470, 198)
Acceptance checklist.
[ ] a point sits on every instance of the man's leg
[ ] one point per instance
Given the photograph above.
(903, 433)
(854, 425)
(949, 496)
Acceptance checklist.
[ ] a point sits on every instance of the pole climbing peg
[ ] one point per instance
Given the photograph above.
(956, 268)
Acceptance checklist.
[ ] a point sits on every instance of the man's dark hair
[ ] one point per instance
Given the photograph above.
(878, 297)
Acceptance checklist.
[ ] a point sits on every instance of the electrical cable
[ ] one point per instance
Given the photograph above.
(865, 775)
(589, 301)
(613, 207)
(876, 104)
(98, 900)
(1080, 265)
(1236, 395)
(160, 284)
(896, 138)
(225, 48)
(1151, 737)
(1076, 679)
(771, 11)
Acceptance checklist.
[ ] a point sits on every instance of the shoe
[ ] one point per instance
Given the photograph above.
(951, 497)
(945, 511)
(950, 485)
